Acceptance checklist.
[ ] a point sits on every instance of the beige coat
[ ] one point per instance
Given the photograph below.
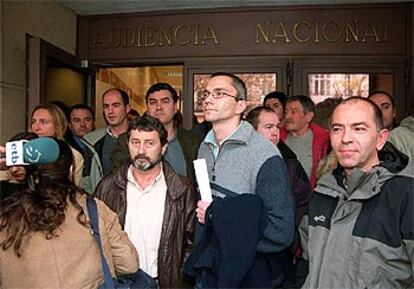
(77, 166)
(72, 259)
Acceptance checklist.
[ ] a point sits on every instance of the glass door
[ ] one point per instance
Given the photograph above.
(327, 81)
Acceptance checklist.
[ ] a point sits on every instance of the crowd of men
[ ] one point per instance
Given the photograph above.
(274, 221)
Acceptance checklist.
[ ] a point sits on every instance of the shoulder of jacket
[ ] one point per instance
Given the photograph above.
(262, 146)
(93, 136)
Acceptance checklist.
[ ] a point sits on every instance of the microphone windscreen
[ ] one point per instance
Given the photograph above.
(40, 151)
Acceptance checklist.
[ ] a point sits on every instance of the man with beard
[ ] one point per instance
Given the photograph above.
(156, 206)
(161, 99)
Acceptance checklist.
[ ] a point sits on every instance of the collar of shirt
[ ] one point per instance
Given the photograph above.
(131, 179)
(211, 140)
(108, 131)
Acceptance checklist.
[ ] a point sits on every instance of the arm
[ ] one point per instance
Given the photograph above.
(274, 188)
(300, 186)
(303, 233)
(121, 250)
(190, 219)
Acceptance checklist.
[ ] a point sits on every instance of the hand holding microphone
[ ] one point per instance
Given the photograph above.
(2, 158)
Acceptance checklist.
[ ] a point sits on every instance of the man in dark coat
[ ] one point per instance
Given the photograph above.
(155, 205)
(266, 122)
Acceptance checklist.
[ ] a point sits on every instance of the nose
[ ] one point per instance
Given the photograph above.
(83, 123)
(142, 149)
(346, 136)
(35, 126)
(207, 99)
(158, 105)
(287, 114)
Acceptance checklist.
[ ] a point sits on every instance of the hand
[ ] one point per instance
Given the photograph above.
(201, 211)
(3, 159)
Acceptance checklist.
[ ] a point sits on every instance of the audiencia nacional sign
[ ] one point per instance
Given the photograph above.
(293, 30)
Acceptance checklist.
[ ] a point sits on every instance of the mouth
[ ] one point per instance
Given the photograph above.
(347, 152)
(209, 109)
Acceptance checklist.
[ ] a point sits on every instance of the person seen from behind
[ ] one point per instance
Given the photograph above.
(45, 235)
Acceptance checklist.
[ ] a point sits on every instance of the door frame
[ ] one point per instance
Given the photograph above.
(39, 52)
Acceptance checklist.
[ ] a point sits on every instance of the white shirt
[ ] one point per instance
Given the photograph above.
(143, 220)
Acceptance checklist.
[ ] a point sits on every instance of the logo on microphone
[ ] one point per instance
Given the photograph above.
(32, 155)
(14, 154)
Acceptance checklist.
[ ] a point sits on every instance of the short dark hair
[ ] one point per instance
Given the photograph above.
(372, 93)
(306, 102)
(122, 93)
(148, 123)
(81, 106)
(253, 115)
(162, 86)
(377, 112)
(276, 95)
(238, 84)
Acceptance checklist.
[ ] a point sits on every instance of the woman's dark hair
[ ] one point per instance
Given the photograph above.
(41, 205)
(24, 136)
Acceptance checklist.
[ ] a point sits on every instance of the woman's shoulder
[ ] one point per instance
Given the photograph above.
(104, 212)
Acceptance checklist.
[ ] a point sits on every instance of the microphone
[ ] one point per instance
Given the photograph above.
(40, 151)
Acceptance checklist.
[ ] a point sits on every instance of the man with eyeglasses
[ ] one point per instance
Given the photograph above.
(240, 161)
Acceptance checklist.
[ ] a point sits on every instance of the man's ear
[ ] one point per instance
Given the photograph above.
(309, 116)
(241, 107)
(164, 149)
(128, 108)
(382, 138)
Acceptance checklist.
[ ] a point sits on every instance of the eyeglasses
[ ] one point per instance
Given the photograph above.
(216, 94)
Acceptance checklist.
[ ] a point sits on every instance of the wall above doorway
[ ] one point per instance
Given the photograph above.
(95, 7)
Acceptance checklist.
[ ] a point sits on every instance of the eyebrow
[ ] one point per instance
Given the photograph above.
(352, 124)
(162, 98)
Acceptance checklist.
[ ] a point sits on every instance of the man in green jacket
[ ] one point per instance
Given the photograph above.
(359, 231)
